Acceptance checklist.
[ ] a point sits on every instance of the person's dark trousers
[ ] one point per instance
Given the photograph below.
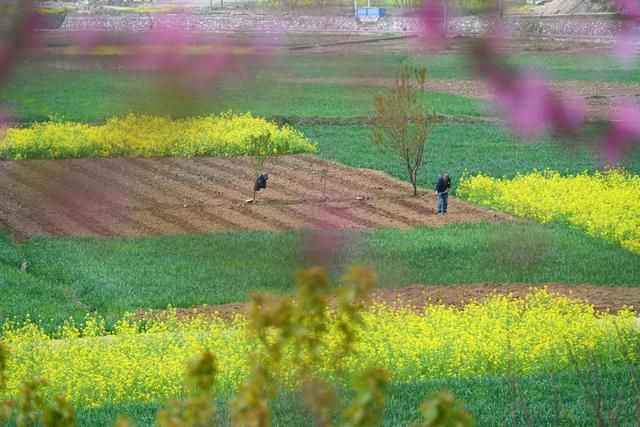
(443, 202)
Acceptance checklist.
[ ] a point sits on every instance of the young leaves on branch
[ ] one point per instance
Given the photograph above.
(402, 125)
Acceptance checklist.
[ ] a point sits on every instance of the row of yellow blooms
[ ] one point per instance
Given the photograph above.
(502, 335)
(133, 135)
(604, 204)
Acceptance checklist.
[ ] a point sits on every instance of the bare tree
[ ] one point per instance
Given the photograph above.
(402, 125)
(259, 152)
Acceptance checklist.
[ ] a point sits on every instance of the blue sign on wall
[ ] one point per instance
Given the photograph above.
(371, 12)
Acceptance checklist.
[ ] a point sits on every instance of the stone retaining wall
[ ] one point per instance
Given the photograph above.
(560, 27)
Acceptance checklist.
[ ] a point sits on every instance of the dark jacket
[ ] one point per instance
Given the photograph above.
(261, 182)
(443, 184)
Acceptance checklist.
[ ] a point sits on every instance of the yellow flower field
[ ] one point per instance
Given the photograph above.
(605, 204)
(501, 335)
(148, 136)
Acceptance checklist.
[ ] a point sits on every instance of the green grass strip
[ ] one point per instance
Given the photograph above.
(115, 275)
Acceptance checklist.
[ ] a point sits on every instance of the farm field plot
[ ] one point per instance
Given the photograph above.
(130, 197)
(320, 83)
(603, 298)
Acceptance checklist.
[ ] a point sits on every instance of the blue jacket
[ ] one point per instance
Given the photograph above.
(443, 185)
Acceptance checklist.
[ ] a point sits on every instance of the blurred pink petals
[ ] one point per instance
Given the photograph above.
(24, 37)
(173, 48)
(323, 246)
(523, 103)
(567, 112)
(432, 20)
(532, 108)
(85, 40)
(6, 118)
(624, 131)
(627, 43)
(630, 9)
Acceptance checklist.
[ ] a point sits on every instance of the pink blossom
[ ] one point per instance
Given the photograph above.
(172, 48)
(627, 43)
(624, 131)
(532, 108)
(567, 112)
(322, 246)
(85, 40)
(432, 17)
(524, 99)
(23, 37)
(5, 120)
(630, 9)
(524, 102)
(627, 40)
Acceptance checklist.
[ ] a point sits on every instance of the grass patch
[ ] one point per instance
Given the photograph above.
(571, 66)
(114, 275)
(23, 292)
(456, 148)
(487, 399)
(40, 91)
(38, 94)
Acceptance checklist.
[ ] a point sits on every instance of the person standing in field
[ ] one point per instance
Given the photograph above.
(442, 191)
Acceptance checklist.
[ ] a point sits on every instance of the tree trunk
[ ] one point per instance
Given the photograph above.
(413, 174)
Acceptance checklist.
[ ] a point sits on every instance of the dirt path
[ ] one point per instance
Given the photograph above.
(133, 197)
(603, 298)
(599, 96)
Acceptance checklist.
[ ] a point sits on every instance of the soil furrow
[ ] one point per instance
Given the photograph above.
(18, 198)
(61, 219)
(348, 212)
(220, 221)
(286, 220)
(401, 213)
(73, 195)
(249, 210)
(215, 185)
(135, 195)
(383, 219)
(143, 190)
(113, 204)
(325, 216)
(172, 196)
(303, 182)
(21, 222)
(372, 183)
(183, 223)
(276, 183)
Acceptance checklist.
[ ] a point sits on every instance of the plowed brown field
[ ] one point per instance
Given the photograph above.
(131, 197)
(603, 298)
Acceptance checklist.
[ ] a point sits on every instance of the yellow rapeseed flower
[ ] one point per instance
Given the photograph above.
(134, 135)
(604, 204)
(142, 362)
